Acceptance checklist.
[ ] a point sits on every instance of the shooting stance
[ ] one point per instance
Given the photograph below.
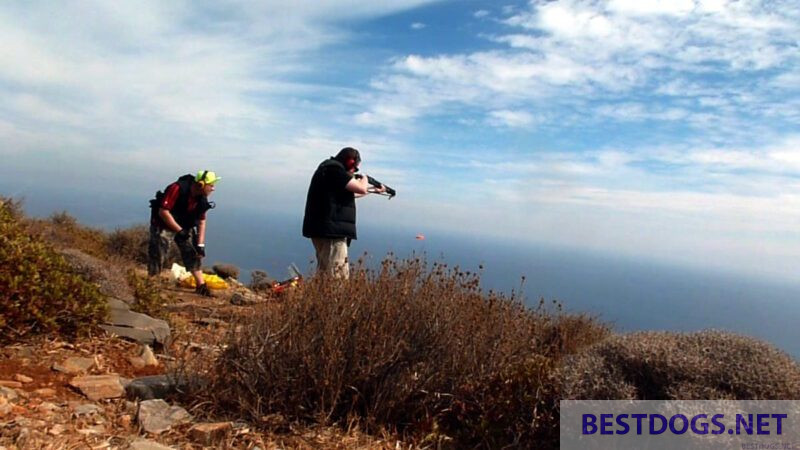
(330, 215)
(179, 212)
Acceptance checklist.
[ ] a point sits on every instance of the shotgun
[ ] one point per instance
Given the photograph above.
(372, 181)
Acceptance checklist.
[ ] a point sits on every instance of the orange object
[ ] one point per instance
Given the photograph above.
(280, 287)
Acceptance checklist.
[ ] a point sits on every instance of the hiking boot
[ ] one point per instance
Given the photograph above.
(203, 290)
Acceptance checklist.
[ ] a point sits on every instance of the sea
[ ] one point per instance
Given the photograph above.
(627, 293)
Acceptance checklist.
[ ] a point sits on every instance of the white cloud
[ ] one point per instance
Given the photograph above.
(653, 7)
(417, 26)
(605, 52)
(638, 112)
(200, 67)
(514, 119)
(98, 87)
(481, 13)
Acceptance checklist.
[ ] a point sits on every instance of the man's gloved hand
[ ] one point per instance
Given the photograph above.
(201, 250)
(182, 236)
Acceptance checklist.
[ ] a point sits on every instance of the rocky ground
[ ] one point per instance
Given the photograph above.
(102, 392)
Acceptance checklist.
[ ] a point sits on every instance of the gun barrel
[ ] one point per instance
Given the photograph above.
(377, 183)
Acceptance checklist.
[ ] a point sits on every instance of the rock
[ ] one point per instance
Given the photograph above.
(56, 429)
(157, 416)
(10, 384)
(98, 387)
(112, 283)
(45, 392)
(26, 351)
(245, 299)
(74, 365)
(208, 434)
(27, 422)
(5, 407)
(154, 386)
(23, 378)
(225, 270)
(125, 420)
(94, 429)
(136, 361)
(145, 444)
(86, 409)
(22, 437)
(47, 408)
(24, 394)
(8, 393)
(135, 326)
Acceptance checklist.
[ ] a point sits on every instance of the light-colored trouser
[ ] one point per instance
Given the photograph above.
(332, 256)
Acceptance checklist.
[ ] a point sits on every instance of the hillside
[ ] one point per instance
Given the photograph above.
(407, 355)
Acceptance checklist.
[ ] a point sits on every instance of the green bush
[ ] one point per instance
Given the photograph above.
(39, 292)
(413, 350)
(147, 292)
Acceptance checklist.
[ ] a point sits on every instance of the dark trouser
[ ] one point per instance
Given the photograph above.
(158, 249)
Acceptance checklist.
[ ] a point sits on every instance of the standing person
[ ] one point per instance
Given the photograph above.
(330, 215)
(180, 213)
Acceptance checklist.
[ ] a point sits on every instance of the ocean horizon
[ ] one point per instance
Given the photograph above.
(631, 294)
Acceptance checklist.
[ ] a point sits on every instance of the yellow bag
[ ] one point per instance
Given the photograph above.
(212, 281)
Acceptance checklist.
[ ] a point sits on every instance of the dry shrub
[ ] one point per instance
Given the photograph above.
(13, 207)
(226, 270)
(409, 349)
(130, 243)
(63, 231)
(260, 281)
(707, 365)
(39, 291)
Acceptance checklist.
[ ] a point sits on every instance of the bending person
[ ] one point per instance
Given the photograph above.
(179, 212)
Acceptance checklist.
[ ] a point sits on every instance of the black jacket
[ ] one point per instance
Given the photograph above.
(330, 208)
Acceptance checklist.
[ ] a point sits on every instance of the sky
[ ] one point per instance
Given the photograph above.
(661, 129)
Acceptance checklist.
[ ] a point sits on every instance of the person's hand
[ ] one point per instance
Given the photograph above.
(182, 236)
(380, 190)
(201, 250)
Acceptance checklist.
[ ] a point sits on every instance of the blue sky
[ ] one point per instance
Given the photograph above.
(661, 129)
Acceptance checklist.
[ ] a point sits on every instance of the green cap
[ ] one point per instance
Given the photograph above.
(207, 177)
